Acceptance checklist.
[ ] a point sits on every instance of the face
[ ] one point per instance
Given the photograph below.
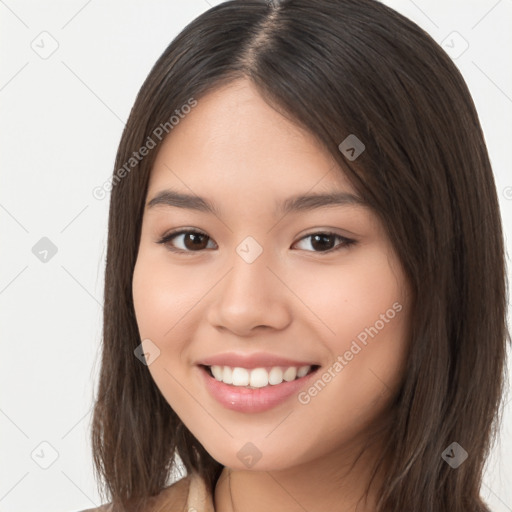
(315, 284)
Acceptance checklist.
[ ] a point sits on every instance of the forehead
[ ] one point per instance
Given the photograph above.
(233, 138)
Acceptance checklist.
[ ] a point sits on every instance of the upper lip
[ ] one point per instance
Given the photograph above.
(256, 360)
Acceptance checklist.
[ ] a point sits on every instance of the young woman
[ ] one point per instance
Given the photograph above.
(305, 296)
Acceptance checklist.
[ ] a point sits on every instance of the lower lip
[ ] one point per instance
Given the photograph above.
(253, 400)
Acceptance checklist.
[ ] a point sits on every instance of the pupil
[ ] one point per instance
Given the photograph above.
(196, 242)
(322, 238)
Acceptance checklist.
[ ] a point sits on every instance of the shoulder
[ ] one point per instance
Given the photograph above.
(175, 495)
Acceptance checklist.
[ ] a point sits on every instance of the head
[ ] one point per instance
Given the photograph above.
(248, 122)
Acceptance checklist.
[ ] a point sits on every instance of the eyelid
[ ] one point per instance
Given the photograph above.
(346, 242)
(168, 236)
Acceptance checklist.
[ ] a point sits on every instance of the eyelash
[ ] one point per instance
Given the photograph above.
(165, 239)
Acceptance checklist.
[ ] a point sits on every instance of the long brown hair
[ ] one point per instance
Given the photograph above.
(335, 67)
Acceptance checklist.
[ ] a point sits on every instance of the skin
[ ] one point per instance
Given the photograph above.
(293, 300)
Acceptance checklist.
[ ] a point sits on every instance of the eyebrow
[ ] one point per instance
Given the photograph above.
(298, 203)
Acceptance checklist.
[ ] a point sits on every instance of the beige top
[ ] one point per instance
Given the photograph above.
(186, 495)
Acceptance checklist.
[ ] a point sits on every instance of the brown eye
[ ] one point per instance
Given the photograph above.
(186, 240)
(322, 242)
(325, 242)
(193, 241)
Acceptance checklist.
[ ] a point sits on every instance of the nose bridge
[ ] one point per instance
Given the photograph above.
(249, 250)
(249, 274)
(249, 295)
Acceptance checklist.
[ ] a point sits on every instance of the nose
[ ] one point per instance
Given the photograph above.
(250, 297)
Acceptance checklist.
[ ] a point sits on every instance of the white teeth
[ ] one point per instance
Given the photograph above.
(217, 372)
(303, 370)
(227, 376)
(258, 377)
(275, 376)
(290, 374)
(240, 377)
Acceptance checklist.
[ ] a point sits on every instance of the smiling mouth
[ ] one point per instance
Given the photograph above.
(276, 376)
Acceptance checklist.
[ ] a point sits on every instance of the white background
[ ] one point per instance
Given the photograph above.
(61, 122)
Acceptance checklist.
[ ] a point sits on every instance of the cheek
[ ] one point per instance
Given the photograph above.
(364, 314)
(164, 309)
(152, 298)
(159, 304)
(352, 297)
(163, 295)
